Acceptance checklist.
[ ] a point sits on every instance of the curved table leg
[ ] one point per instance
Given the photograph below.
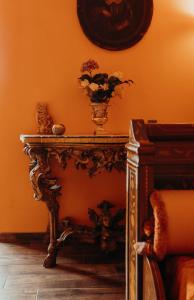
(46, 189)
(50, 260)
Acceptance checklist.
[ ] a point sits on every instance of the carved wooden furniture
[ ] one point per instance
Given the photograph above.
(92, 153)
(159, 156)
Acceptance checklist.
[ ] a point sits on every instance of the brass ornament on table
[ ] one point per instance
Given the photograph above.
(99, 116)
(58, 129)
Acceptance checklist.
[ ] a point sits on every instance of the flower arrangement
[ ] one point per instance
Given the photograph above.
(100, 87)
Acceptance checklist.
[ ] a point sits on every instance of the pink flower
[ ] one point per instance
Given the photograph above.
(89, 65)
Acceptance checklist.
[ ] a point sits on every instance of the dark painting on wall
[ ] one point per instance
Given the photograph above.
(115, 24)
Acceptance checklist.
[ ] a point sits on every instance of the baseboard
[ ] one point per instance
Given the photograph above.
(23, 237)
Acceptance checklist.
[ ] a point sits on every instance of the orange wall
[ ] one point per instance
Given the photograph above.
(42, 48)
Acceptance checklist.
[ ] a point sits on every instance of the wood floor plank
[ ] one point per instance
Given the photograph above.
(105, 269)
(17, 295)
(3, 277)
(84, 297)
(20, 259)
(40, 270)
(77, 276)
(84, 293)
(70, 280)
(21, 249)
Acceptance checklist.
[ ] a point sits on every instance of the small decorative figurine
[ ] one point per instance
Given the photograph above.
(58, 129)
(43, 119)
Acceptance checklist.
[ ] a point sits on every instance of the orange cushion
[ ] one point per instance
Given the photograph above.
(173, 222)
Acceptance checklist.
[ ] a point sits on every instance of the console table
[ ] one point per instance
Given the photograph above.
(90, 152)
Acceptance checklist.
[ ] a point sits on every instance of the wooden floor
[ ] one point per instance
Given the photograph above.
(82, 273)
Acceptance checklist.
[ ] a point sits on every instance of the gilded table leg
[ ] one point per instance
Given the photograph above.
(50, 260)
(46, 189)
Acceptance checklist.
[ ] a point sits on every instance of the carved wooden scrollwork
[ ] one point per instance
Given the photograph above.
(94, 160)
(45, 186)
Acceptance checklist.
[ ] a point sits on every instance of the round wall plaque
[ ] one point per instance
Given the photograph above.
(115, 24)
